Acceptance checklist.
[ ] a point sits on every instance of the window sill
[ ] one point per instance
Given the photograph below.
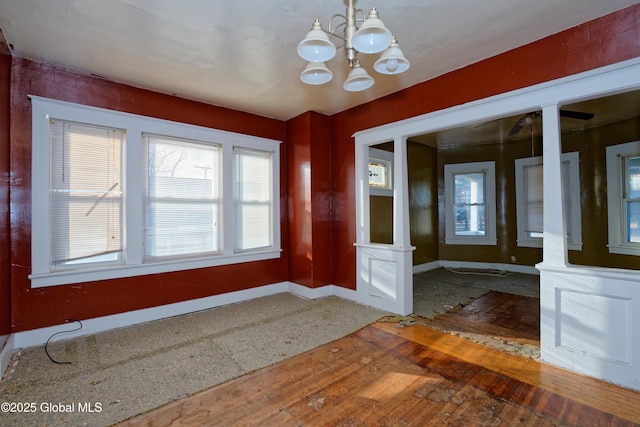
(470, 241)
(538, 244)
(624, 250)
(41, 280)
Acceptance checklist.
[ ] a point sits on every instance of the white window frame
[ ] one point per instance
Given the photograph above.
(617, 215)
(135, 125)
(384, 157)
(488, 169)
(571, 189)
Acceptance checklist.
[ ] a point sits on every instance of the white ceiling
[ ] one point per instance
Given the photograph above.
(241, 54)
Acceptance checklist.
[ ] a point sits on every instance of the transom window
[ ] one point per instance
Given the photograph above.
(118, 195)
(380, 172)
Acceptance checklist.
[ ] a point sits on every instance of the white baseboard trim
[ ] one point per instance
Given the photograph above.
(40, 336)
(6, 354)
(421, 268)
(511, 268)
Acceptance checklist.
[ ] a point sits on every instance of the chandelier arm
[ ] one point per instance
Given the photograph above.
(363, 16)
(332, 29)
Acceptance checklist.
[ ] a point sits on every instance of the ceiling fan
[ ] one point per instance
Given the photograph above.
(528, 119)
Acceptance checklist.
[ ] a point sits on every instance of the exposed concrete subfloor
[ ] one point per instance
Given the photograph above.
(135, 369)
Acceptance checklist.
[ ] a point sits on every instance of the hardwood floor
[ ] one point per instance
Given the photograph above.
(500, 320)
(384, 375)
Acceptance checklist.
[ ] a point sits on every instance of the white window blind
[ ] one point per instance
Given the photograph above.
(182, 197)
(120, 195)
(530, 200)
(534, 200)
(253, 201)
(85, 194)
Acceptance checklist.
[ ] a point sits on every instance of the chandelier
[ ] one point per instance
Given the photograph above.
(371, 37)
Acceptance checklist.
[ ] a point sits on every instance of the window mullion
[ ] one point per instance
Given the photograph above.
(227, 200)
(134, 177)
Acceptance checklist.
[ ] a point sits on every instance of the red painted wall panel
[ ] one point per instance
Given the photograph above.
(321, 199)
(610, 39)
(299, 202)
(5, 241)
(33, 308)
(308, 142)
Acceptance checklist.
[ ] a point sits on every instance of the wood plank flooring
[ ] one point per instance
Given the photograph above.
(384, 375)
(495, 316)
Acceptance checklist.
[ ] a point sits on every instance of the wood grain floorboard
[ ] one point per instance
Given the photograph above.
(384, 375)
(511, 317)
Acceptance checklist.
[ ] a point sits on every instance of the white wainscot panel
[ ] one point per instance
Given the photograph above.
(382, 277)
(587, 322)
(385, 278)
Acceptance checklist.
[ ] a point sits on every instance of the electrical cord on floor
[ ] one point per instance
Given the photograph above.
(58, 333)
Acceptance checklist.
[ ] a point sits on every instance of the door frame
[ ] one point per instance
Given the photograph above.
(377, 265)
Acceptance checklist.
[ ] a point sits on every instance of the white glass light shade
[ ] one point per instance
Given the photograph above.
(373, 36)
(392, 61)
(316, 73)
(316, 46)
(358, 80)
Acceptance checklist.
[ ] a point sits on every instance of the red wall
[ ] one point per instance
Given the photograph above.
(328, 255)
(309, 166)
(33, 308)
(597, 43)
(5, 225)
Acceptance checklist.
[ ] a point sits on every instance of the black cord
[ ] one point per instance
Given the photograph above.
(58, 333)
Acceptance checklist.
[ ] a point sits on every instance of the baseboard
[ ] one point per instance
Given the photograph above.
(6, 354)
(421, 268)
(40, 336)
(511, 268)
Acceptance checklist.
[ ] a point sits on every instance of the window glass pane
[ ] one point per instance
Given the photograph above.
(470, 220)
(469, 204)
(86, 194)
(633, 222)
(469, 188)
(181, 197)
(633, 199)
(252, 194)
(378, 175)
(633, 176)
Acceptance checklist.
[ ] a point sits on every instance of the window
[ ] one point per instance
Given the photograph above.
(252, 198)
(86, 195)
(529, 200)
(470, 207)
(182, 197)
(118, 195)
(623, 198)
(380, 172)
